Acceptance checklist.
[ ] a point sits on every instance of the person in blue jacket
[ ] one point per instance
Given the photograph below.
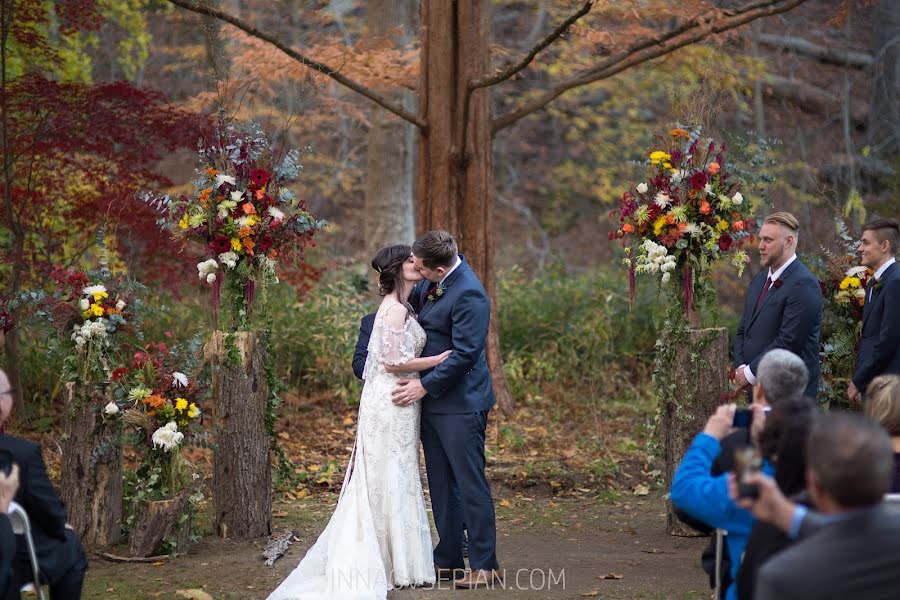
(782, 375)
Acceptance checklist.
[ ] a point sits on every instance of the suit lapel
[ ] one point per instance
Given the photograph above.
(792, 268)
(426, 306)
(869, 305)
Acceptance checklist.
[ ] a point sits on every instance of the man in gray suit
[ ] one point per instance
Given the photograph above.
(879, 347)
(851, 548)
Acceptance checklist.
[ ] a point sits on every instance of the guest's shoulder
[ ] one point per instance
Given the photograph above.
(18, 446)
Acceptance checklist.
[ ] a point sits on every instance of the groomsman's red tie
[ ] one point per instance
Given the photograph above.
(762, 294)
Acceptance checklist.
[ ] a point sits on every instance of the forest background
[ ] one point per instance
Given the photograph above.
(110, 95)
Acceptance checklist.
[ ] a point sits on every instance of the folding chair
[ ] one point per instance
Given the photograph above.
(892, 501)
(21, 525)
(720, 543)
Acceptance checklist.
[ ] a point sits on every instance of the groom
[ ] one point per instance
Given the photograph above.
(454, 311)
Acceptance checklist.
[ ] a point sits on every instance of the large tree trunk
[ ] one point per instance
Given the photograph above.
(242, 467)
(699, 372)
(157, 522)
(884, 116)
(455, 183)
(391, 158)
(91, 471)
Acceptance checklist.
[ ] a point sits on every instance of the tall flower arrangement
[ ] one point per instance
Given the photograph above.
(687, 214)
(243, 215)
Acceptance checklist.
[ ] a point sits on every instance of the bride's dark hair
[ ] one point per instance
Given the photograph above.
(388, 263)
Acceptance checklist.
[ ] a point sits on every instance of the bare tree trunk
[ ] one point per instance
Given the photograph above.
(759, 107)
(884, 116)
(455, 162)
(242, 466)
(91, 470)
(390, 173)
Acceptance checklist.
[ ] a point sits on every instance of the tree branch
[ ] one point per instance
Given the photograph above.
(703, 25)
(837, 56)
(249, 29)
(489, 80)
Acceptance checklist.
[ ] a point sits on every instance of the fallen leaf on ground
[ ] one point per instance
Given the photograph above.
(158, 563)
(641, 490)
(590, 594)
(610, 576)
(193, 594)
(504, 502)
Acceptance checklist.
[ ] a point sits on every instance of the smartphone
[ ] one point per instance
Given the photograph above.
(747, 461)
(743, 417)
(6, 462)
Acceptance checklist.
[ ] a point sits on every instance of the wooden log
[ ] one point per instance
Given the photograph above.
(91, 470)
(699, 372)
(155, 523)
(826, 54)
(811, 98)
(242, 468)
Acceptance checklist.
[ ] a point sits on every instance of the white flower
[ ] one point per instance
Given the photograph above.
(167, 437)
(85, 304)
(111, 408)
(666, 277)
(642, 188)
(678, 175)
(691, 229)
(211, 278)
(856, 271)
(138, 393)
(225, 208)
(220, 179)
(179, 379)
(94, 289)
(207, 267)
(662, 199)
(279, 216)
(247, 221)
(229, 259)
(860, 293)
(120, 305)
(737, 198)
(708, 189)
(236, 196)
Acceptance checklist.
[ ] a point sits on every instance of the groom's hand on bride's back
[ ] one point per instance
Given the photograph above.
(407, 392)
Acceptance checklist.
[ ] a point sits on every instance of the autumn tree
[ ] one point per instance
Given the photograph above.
(455, 116)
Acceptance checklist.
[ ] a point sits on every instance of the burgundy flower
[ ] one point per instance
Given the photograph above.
(698, 180)
(264, 243)
(118, 373)
(220, 244)
(725, 242)
(259, 177)
(677, 156)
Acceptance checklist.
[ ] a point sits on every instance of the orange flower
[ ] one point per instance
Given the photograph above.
(204, 196)
(260, 193)
(248, 246)
(155, 401)
(628, 228)
(705, 208)
(670, 219)
(249, 209)
(677, 133)
(738, 225)
(714, 168)
(210, 172)
(245, 232)
(682, 226)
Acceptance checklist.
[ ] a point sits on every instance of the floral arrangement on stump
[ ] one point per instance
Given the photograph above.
(687, 214)
(244, 216)
(843, 284)
(159, 403)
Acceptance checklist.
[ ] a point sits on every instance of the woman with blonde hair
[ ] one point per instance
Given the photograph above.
(883, 407)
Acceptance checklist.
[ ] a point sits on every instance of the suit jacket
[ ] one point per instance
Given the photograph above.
(457, 320)
(789, 317)
(362, 344)
(879, 346)
(855, 557)
(7, 554)
(47, 513)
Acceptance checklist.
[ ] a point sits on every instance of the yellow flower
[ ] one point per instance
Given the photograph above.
(180, 404)
(659, 156)
(236, 245)
(850, 282)
(658, 224)
(723, 225)
(98, 295)
(192, 411)
(96, 310)
(183, 223)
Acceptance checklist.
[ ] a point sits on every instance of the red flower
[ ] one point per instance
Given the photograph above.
(118, 374)
(725, 242)
(220, 244)
(698, 180)
(264, 243)
(259, 177)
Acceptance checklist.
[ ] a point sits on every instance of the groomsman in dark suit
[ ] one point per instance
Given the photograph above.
(783, 306)
(879, 347)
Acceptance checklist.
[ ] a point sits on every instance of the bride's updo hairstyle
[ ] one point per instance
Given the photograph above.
(388, 263)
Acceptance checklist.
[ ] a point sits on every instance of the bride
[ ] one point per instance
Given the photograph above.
(378, 537)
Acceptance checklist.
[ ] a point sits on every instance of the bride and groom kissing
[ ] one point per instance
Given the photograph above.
(425, 377)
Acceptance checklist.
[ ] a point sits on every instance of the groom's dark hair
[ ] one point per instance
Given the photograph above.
(436, 249)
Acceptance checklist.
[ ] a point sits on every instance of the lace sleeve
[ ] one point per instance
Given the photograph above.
(397, 346)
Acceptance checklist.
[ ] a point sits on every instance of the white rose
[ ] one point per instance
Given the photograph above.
(737, 198)
(236, 196)
(666, 277)
(111, 408)
(211, 278)
(85, 304)
(642, 188)
(207, 267)
(120, 305)
(229, 259)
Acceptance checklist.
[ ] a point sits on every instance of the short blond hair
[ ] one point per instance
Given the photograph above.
(786, 220)
(883, 402)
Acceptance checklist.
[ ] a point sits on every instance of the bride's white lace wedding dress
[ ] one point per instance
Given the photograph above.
(378, 536)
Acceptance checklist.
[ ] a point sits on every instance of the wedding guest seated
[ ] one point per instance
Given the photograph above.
(851, 547)
(883, 407)
(60, 555)
(9, 485)
(782, 376)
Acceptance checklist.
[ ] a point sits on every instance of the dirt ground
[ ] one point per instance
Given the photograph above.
(548, 548)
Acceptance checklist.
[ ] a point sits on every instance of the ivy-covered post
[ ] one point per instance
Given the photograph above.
(695, 365)
(91, 471)
(242, 467)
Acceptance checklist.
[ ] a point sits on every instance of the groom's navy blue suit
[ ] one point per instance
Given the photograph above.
(454, 418)
(879, 345)
(789, 317)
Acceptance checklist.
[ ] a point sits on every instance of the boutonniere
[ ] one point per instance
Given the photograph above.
(877, 284)
(435, 292)
(777, 283)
